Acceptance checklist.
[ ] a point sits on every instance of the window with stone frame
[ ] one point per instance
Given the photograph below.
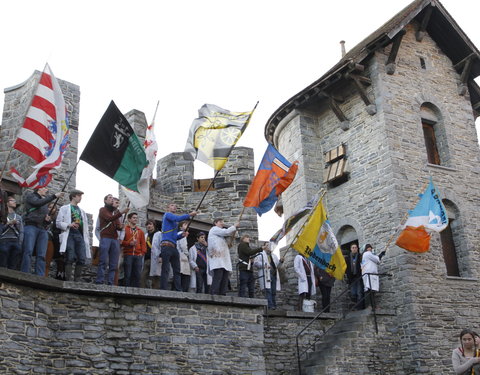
(452, 239)
(434, 135)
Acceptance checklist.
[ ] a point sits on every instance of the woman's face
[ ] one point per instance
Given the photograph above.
(467, 341)
(477, 341)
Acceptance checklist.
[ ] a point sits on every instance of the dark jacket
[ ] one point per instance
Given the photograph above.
(324, 278)
(36, 208)
(351, 276)
(244, 254)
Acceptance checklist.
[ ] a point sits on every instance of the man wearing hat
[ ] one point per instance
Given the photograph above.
(74, 240)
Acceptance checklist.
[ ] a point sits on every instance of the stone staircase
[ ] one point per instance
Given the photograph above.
(352, 346)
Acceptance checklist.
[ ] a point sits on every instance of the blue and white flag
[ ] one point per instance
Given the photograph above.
(429, 211)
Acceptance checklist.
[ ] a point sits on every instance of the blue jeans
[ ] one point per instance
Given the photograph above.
(34, 238)
(356, 292)
(246, 282)
(109, 253)
(75, 248)
(272, 292)
(132, 266)
(171, 256)
(10, 254)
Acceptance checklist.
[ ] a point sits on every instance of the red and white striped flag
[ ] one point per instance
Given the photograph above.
(44, 135)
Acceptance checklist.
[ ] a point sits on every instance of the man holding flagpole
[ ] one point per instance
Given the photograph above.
(220, 263)
(35, 232)
(168, 246)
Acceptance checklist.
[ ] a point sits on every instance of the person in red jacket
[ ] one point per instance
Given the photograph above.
(134, 249)
(108, 217)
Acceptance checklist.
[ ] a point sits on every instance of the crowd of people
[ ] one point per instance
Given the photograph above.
(161, 259)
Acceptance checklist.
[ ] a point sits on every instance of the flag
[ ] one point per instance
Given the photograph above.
(317, 243)
(290, 223)
(44, 135)
(428, 215)
(115, 150)
(213, 135)
(150, 145)
(274, 175)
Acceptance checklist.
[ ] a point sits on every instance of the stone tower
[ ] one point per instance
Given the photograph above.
(17, 102)
(175, 183)
(396, 109)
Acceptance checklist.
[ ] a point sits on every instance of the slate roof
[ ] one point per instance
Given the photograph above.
(442, 28)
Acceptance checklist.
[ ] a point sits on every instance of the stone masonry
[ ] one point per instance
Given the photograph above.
(388, 168)
(53, 327)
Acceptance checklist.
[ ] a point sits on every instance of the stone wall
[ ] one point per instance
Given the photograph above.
(388, 162)
(16, 104)
(48, 326)
(175, 183)
(281, 329)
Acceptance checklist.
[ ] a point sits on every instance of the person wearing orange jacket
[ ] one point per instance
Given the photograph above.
(134, 249)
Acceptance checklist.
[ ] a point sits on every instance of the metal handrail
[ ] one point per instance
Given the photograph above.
(360, 279)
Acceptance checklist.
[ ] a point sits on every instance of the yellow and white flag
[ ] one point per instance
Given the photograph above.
(214, 133)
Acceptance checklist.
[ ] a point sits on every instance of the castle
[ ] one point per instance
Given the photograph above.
(396, 109)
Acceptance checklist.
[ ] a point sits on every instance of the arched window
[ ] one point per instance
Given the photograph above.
(454, 256)
(346, 237)
(434, 135)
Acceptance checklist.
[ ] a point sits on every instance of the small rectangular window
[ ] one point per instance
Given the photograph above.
(449, 253)
(422, 63)
(431, 143)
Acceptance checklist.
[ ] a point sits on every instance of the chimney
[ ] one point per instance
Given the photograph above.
(342, 46)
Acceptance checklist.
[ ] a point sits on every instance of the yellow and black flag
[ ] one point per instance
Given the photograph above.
(214, 133)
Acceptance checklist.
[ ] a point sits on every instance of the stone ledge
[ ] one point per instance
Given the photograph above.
(47, 283)
(301, 314)
(442, 167)
(458, 278)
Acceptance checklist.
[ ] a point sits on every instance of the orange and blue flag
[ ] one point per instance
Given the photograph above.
(273, 177)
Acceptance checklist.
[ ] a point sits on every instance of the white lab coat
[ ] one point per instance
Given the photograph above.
(370, 265)
(218, 251)
(155, 266)
(182, 247)
(261, 262)
(64, 219)
(302, 276)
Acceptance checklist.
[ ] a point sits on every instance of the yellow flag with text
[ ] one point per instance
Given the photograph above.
(318, 244)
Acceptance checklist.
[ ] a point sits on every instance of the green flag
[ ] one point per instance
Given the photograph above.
(115, 150)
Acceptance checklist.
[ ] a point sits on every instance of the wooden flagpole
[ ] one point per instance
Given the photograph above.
(218, 171)
(322, 193)
(64, 187)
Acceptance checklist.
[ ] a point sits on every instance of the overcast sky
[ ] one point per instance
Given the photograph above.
(185, 54)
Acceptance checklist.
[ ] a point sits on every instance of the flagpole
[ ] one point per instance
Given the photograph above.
(64, 186)
(404, 219)
(23, 122)
(232, 236)
(155, 113)
(322, 194)
(218, 171)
